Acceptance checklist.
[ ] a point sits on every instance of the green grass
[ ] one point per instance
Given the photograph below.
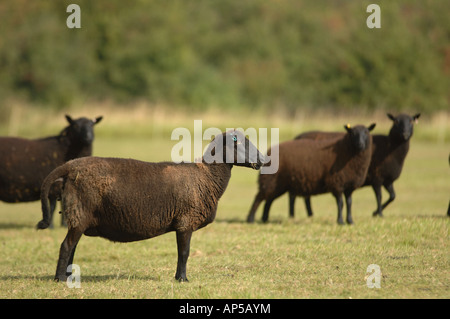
(286, 258)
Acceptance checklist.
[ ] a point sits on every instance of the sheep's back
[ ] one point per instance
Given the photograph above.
(24, 165)
(308, 163)
(310, 167)
(132, 200)
(319, 135)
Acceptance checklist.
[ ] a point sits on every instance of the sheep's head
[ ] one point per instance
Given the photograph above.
(81, 130)
(359, 136)
(402, 128)
(233, 148)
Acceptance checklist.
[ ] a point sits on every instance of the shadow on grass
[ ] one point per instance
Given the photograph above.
(433, 216)
(15, 226)
(244, 222)
(84, 278)
(300, 221)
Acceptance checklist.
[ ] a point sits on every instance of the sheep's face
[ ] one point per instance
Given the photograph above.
(402, 128)
(82, 129)
(359, 136)
(235, 148)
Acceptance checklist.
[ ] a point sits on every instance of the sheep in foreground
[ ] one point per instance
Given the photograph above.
(388, 156)
(25, 163)
(126, 200)
(308, 167)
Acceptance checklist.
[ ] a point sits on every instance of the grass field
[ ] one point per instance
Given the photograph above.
(286, 258)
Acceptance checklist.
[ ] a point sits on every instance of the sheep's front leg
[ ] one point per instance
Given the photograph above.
(183, 245)
(251, 215)
(390, 189)
(377, 191)
(348, 203)
(291, 205)
(308, 206)
(265, 216)
(340, 204)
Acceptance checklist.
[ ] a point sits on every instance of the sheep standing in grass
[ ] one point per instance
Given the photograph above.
(127, 200)
(307, 167)
(25, 163)
(388, 156)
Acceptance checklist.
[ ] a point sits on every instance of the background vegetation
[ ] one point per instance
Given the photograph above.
(231, 54)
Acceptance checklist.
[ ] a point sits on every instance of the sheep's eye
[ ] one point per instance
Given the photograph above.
(235, 138)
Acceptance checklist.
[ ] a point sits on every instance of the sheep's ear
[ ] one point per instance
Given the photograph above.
(347, 127)
(416, 118)
(69, 119)
(98, 119)
(371, 127)
(390, 116)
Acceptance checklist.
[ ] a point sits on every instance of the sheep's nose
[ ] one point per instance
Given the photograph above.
(261, 159)
(406, 135)
(88, 137)
(255, 165)
(259, 162)
(361, 146)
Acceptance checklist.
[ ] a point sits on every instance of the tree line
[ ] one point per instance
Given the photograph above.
(229, 53)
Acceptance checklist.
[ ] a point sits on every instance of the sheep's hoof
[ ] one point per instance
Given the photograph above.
(182, 279)
(42, 225)
(62, 278)
(379, 214)
(340, 222)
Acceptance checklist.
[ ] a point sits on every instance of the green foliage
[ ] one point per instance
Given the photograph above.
(253, 53)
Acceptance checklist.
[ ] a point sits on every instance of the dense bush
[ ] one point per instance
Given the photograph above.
(231, 53)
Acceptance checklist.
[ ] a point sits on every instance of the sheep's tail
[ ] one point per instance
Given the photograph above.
(57, 174)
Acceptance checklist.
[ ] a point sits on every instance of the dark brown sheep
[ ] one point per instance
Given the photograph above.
(25, 163)
(388, 156)
(126, 200)
(308, 167)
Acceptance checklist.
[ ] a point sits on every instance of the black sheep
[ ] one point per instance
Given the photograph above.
(126, 200)
(25, 163)
(388, 156)
(307, 167)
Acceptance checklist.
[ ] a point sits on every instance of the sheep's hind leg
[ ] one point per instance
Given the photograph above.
(66, 253)
(52, 210)
(63, 220)
(183, 245)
